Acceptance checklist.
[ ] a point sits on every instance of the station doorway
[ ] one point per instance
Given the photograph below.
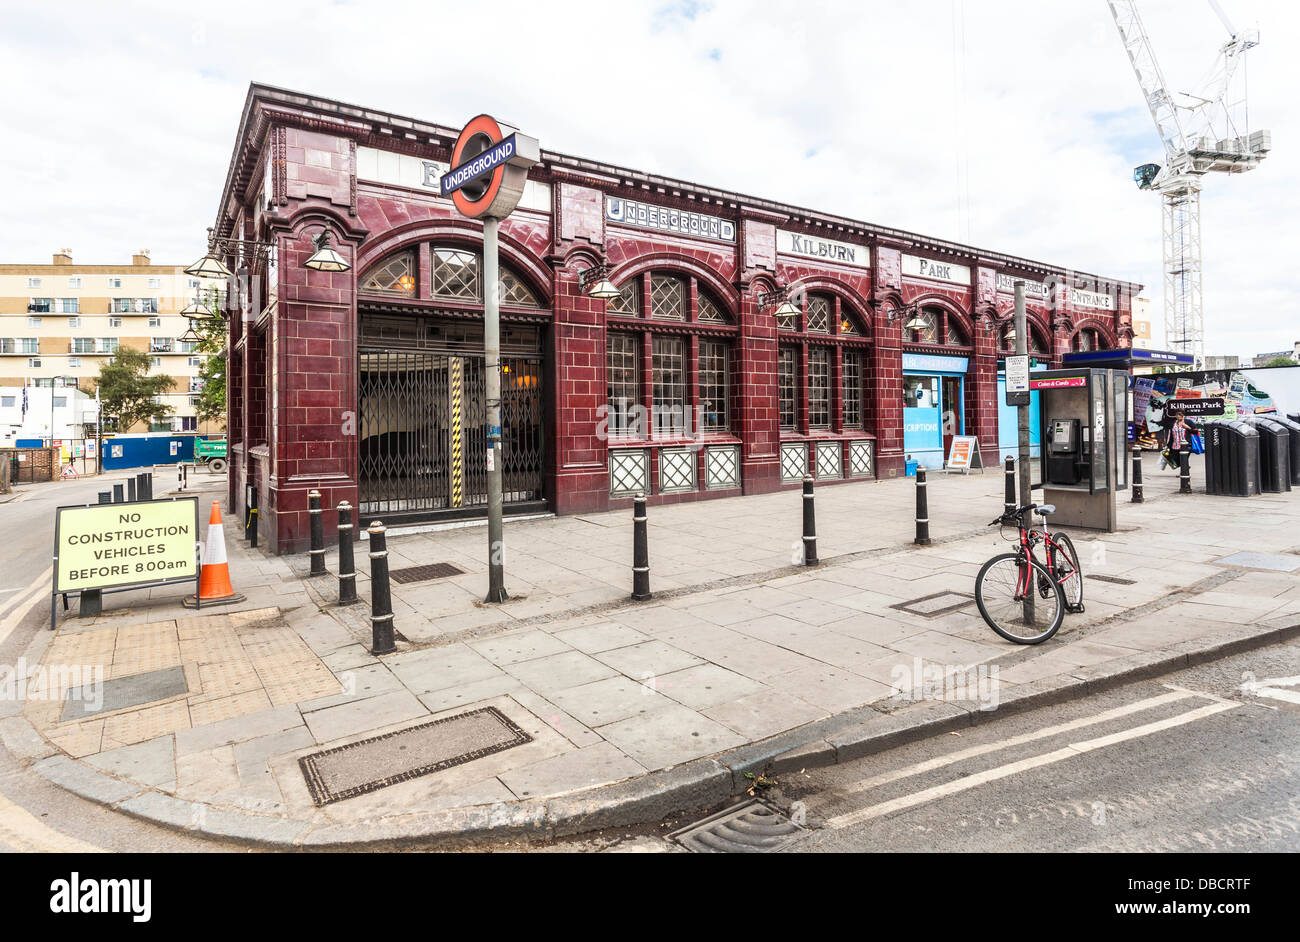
(422, 418)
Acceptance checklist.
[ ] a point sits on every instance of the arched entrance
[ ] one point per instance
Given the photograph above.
(422, 416)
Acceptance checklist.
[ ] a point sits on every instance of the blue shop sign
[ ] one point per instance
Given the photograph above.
(932, 363)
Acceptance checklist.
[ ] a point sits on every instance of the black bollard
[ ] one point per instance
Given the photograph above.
(130, 488)
(147, 480)
(180, 478)
(347, 565)
(118, 496)
(809, 524)
(1184, 472)
(317, 534)
(922, 510)
(1137, 478)
(381, 606)
(1009, 499)
(106, 497)
(640, 550)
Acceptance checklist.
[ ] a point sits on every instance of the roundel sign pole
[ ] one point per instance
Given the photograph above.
(489, 167)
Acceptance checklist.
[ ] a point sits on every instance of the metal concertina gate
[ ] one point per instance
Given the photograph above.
(423, 436)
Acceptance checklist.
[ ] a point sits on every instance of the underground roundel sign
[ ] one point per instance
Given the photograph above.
(489, 166)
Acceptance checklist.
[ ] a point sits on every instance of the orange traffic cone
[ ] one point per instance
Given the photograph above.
(214, 578)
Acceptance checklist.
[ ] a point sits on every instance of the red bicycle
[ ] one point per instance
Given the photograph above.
(1025, 600)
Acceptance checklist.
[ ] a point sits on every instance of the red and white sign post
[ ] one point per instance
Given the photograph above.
(489, 169)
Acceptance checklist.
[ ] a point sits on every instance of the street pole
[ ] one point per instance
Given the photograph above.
(99, 434)
(1022, 435)
(492, 356)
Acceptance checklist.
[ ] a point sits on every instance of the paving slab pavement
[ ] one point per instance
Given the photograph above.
(679, 694)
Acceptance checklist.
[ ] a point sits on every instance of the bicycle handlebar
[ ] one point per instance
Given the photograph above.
(1014, 517)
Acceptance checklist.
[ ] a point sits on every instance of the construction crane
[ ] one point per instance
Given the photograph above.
(1205, 133)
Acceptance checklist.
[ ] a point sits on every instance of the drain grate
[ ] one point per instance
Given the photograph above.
(1117, 580)
(750, 828)
(424, 573)
(372, 764)
(932, 606)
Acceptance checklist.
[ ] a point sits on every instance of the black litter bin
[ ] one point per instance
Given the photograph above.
(1231, 458)
(1292, 426)
(1274, 454)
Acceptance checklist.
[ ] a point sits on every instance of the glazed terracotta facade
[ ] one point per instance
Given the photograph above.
(293, 376)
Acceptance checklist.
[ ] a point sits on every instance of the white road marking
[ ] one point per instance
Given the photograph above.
(38, 591)
(25, 832)
(1268, 687)
(1022, 765)
(961, 755)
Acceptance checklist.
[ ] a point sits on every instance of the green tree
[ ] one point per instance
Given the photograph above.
(127, 391)
(1281, 361)
(211, 332)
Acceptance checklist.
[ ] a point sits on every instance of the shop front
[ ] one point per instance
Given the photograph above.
(933, 397)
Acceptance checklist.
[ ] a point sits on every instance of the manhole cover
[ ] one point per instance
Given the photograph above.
(1274, 562)
(1117, 580)
(932, 606)
(424, 573)
(750, 828)
(360, 767)
(123, 692)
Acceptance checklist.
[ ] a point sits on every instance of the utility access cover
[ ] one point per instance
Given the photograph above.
(366, 766)
(1274, 562)
(123, 692)
(940, 603)
(749, 828)
(425, 573)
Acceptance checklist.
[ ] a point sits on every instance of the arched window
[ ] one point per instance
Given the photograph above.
(394, 276)
(956, 333)
(1008, 339)
(817, 314)
(628, 301)
(709, 311)
(923, 326)
(457, 275)
(1086, 340)
(686, 379)
(667, 297)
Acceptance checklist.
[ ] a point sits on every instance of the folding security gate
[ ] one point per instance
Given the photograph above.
(422, 424)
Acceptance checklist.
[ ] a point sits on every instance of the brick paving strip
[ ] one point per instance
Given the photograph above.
(628, 712)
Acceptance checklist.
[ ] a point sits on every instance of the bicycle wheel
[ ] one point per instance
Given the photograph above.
(1008, 613)
(1068, 572)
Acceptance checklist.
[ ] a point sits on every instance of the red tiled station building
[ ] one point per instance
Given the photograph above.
(368, 385)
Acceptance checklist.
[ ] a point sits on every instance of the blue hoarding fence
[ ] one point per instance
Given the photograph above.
(139, 451)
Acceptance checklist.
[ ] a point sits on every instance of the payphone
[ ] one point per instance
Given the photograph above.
(1067, 461)
(1084, 415)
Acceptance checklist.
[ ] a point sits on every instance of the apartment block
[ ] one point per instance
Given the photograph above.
(60, 321)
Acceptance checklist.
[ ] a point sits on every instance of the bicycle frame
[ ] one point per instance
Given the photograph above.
(1029, 537)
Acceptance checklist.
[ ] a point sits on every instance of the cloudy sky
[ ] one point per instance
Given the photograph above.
(1009, 125)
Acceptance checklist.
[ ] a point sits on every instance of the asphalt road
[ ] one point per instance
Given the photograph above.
(1186, 762)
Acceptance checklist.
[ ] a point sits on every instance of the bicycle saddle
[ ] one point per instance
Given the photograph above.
(1045, 509)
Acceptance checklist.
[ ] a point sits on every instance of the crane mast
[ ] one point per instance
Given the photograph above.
(1202, 134)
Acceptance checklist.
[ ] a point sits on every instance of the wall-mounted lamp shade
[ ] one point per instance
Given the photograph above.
(915, 322)
(209, 266)
(603, 290)
(195, 309)
(325, 258)
(786, 309)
